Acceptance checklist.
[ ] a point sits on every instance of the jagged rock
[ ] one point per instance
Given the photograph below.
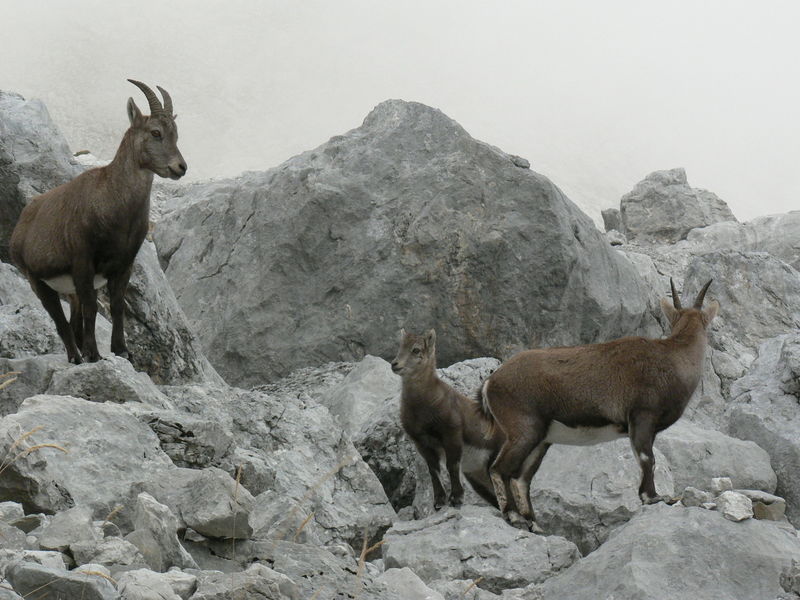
(192, 441)
(68, 527)
(110, 380)
(734, 506)
(313, 466)
(107, 449)
(693, 497)
(465, 590)
(54, 584)
(611, 219)
(35, 374)
(6, 593)
(10, 511)
(143, 584)
(714, 557)
(257, 581)
(404, 583)
(53, 560)
(34, 157)
(584, 492)
(615, 238)
(475, 542)
(790, 577)
(695, 455)
(183, 584)
(112, 552)
(446, 231)
(764, 410)
(155, 535)
(721, 484)
(767, 507)
(215, 505)
(12, 538)
(664, 208)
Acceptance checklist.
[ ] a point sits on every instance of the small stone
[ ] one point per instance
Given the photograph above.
(709, 505)
(10, 512)
(694, 497)
(615, 238)
(766, 506)
(721, 484)
(735, 506)
(522, 163)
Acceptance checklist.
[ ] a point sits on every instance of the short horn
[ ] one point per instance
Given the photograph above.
(167, 100)
(676, 300)
(698, 303)
(152, 99)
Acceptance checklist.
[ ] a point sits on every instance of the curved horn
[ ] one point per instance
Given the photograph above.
(167, 100)
(152, 99)
(698, 303)
(676, 300)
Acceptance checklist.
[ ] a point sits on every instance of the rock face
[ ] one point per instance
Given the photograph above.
(664, 208)
(715, 558)
(34, 157)
(404, 221)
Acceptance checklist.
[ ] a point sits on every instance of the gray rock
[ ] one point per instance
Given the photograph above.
(257, 581)
(215, 505)
(112, 552)
(664, 208)
(693, 497)
(721, 484)
(446, 231)
(734, 506)
(404, 583)
(183, 584)
(696, 455)
(155, 535)
(53, 560)
(106, 450)
(472, 543)
(12, 538)
(52, 584)
(158, 335)
(584, 492)
(764, 410)
(714, 557)
(143, 584)
(611, 219)
(6, 593)
(191, 441)
(464, 590)
(767, 507)
(615, 238)
(10, 511)
(790, 577)
(112, 379)
(34, 376)
(67, 528)
(34, 157)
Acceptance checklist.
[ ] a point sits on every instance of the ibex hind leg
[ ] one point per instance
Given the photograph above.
(641, 428)
(51, 303)
(521, 486)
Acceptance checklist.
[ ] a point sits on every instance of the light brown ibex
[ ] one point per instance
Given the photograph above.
(80, 235)
(631, 387)
(442, 421)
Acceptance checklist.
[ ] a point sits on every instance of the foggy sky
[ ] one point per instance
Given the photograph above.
(595, 94)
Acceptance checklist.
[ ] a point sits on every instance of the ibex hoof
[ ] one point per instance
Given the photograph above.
(646, 500)
(124, 354)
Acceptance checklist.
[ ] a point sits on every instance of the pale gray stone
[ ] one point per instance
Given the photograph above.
(34, 376)
(143, 584)
(55, 584)
(51, 559)
(155, 535)
(669, 552)
(696, 455)
(611, 219)
(215, 505)
(404, 583)
(475, 542)
(615, 238)
(664, 208)
(11, 511)
(183, 584)
(446, 231)
(768, 507)
(69, 527)
(734, 506)
(721, 484)
(257, 581)
(464, 589)
(112, 552)
(694, 497)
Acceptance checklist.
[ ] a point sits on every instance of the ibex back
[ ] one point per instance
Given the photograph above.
(632, 387)
(80, 235)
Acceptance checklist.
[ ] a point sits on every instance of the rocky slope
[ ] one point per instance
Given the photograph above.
(159, 480)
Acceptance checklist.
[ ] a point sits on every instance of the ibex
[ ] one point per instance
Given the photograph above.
(440, 420)
(631, 387)
(80, 235)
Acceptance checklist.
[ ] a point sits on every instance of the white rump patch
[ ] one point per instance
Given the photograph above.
(558, 433)
(64, 284)
(643, 457)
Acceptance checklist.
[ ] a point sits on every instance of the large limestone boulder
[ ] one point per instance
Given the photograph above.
(664, 208)
(34, 157)
(475, 542)
(764, 409)
(674, 552)
(404, 221)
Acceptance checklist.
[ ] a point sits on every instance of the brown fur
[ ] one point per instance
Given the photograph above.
(95, 225)
(634, 386)
(440, 420)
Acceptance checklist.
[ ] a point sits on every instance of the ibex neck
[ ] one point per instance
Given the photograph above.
(124, 172)
(423, 380)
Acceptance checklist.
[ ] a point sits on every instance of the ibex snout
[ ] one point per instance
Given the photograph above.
(396, 368)
(177, 168)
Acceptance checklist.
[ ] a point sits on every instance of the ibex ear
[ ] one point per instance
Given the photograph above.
(402, 334)
(134, 114)
(430, 338)
(669, 311)
(710, 311)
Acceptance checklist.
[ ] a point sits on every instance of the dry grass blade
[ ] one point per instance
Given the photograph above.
(302, 526)
(8, 382)
(362, 560)
(11, 458)
(470, 586)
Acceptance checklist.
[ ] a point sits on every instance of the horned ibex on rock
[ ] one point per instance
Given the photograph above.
(631, 387)
(85, 233)
(440, 420)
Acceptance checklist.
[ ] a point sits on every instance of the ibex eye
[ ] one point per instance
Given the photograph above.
(156, 133)
(416, 351)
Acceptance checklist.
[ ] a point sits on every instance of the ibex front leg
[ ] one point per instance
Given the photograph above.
(431, 457)
(117, 286)
(83, 276)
